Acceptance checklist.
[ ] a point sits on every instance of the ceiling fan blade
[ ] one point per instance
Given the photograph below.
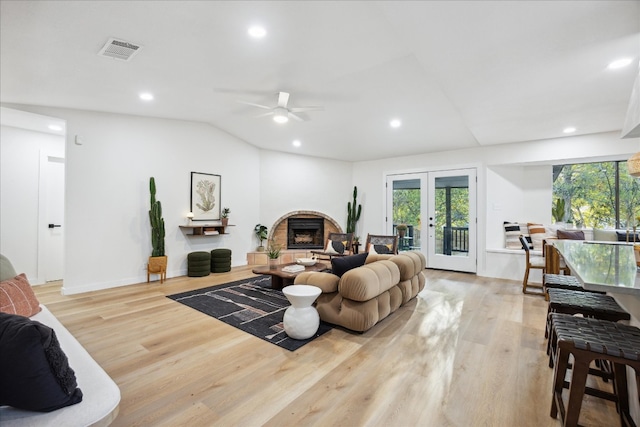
(255, 105)
(295, 116)
(270, 113)
(302, 109)
(283, 99)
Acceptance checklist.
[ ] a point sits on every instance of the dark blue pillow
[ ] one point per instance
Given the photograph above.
(630, 237)
(34, 371)
(340, 265)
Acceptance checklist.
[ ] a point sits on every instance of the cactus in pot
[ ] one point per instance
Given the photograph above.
(353, 214)
(157, 222)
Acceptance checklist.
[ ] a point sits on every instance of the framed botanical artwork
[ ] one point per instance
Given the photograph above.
(205, 196)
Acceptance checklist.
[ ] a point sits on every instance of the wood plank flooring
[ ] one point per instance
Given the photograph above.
(468, 351)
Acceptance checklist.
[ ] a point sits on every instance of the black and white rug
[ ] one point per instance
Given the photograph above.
(250, 305)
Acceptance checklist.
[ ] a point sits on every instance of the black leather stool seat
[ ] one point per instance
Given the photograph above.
(586, 303)
(561, 281)
(588, 339)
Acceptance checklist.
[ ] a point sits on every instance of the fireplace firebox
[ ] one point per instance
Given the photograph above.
(305, 233)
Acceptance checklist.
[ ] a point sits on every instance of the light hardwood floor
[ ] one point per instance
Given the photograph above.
(468, 351)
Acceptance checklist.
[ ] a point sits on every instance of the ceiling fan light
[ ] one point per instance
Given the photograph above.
(280, 115)
(633, 165)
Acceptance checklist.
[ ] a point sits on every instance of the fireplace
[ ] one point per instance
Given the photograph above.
(305, 233)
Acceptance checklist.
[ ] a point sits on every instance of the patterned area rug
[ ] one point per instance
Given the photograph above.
(250, 305)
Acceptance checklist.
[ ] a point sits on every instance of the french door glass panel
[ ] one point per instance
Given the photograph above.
(439, 210)
(452, 220)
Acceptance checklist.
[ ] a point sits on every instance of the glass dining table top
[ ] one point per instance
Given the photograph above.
(602, 266)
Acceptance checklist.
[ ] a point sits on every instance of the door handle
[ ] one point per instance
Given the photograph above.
(55, 225)
(431, 225)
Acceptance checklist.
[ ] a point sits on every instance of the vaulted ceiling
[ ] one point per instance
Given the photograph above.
(456, 74)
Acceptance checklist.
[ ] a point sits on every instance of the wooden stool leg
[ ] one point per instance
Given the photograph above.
(558, 382)
(621, 390)
(579, 374)
(526, 280)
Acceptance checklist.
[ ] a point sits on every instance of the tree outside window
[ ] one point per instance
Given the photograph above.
(597, 195)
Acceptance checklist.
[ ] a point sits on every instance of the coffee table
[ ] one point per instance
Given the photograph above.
(279, 278)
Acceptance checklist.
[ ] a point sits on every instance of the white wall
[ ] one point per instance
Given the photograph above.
(291, 182)
(107, 199)
(19, 181)
(107, 193)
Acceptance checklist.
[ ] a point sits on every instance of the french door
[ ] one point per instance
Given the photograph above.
(439, 210)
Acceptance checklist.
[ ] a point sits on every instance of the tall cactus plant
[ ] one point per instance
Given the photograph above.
(353, 214)
(157, 222)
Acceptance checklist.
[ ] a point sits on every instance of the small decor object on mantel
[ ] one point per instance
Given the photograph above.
(225, 216)
(158, 260)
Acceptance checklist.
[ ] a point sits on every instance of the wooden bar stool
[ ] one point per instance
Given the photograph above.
(588, 339)
(588, 304)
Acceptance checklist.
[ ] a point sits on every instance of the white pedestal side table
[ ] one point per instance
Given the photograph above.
(301, 320)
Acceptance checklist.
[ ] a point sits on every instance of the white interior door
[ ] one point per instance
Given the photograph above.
(51, 255)
(452, 220)
(439, 209)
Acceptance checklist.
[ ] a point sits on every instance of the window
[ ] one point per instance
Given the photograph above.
(598, 195)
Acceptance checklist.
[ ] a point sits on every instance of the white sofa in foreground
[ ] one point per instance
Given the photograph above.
(101, 395)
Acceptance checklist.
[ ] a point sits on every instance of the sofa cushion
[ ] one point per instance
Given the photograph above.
(369, 281)
(341, 265)
(623, 236)
(6, 269)
(17, 297)
(538, 234)
(512, 231)
(34, 371)
(605, 235)
(570, 235)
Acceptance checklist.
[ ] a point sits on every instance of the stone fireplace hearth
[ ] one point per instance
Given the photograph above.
(311, 228)
(279, 231)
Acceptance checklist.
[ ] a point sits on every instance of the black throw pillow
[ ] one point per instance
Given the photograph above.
(34, 371)
(624, 237)
(340, 265)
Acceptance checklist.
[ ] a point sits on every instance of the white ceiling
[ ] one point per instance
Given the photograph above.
(458, 74)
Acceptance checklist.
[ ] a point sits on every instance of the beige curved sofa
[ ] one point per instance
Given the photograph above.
(365, 295)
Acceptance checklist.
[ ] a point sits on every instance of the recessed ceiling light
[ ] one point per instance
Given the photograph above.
(55, 127)
(395, 123)
(569, 130)
(619, 63)
(146, 96)
(257, 32)
(297, 143)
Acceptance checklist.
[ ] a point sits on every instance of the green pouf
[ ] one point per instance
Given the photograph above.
(220, 260)
(198, 264)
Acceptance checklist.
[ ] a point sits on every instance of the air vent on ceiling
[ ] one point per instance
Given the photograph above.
(119, 49)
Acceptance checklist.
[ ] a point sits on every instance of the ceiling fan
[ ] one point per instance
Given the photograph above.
(281, 112)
